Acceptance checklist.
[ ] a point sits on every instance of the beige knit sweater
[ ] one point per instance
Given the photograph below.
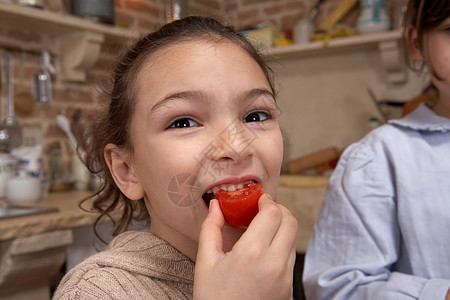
(135, 265)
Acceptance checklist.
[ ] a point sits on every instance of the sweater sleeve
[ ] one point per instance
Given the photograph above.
(356, 237)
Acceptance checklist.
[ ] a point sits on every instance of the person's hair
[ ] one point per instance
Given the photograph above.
(113, 123)
(425, 15)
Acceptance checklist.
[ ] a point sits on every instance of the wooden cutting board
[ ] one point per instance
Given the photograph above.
(302, 181)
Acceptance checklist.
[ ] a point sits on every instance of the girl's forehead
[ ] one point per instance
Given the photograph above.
(182, 48)
(166, 58)
(192, 65)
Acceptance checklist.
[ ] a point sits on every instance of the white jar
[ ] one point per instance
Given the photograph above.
(32, 3)
(302, 31)
(23, 189)
(373, 17)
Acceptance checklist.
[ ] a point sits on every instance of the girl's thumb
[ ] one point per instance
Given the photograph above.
(210, 239)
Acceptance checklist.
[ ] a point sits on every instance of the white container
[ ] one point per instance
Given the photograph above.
(302, 31)
(23, 189)
(32, 3)
(30, 163)
(373, 17)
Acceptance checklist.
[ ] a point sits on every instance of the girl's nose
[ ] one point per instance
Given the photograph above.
(230, 144)
(235, 142)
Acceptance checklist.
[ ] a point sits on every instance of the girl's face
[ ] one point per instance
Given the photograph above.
(205, 116)
(436, 54)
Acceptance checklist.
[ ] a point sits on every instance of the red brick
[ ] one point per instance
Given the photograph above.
(124, 18)
(294, 5)
(66, 94)
(146, 27)
(245, 15)
(288, 22)
(211, 4)
(230, 6)
(254, 2)
(273, 10)
(24, 36)
(144, 7)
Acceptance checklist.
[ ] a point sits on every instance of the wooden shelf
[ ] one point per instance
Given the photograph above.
(54, 23)
(353, 43)
(79, 40)
(388, 44)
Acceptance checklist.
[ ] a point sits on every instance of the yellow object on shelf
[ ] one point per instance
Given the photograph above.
(339, 30)
(263, 37)
(282, 41)
(343, 8)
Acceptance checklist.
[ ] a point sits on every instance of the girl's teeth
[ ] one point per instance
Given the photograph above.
(231, 188)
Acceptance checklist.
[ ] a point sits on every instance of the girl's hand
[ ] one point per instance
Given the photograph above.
(448, 295)
(261, 263)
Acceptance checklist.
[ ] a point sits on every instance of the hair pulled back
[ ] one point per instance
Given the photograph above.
(113, 123)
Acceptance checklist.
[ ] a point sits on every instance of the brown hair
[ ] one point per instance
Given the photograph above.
(113, 124)
(425, 15)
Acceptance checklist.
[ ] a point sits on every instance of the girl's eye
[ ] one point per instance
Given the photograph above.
(257, 116)
(183, 123)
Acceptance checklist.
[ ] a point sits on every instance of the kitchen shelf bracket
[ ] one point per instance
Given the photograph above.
(78, 52)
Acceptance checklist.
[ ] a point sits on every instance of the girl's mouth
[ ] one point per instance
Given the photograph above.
(210, 194)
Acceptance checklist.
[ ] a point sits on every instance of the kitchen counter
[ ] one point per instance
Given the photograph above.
(69, 215)
(34, 247)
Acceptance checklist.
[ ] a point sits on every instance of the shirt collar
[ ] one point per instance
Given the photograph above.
(424, 119)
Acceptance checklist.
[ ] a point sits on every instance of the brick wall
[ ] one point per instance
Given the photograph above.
(141, 16)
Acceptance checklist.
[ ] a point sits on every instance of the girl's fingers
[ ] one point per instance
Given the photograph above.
(285, 237)
(254, 267)
(210, 239)
(264, 226)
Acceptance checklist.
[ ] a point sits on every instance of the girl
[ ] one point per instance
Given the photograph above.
(192, 110)
(382, 232)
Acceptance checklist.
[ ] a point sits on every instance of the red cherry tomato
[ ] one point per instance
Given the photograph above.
(241, 206)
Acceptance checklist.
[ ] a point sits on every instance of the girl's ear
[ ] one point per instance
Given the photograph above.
(122, 172)
(413, 44)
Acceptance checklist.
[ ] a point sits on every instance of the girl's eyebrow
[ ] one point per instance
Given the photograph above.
(183, 96)
(258, 92)
(205, 98)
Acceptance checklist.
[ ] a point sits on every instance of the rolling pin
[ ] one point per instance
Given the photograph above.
(312, 160)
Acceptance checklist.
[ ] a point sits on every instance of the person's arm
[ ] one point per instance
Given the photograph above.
(259, 266)
(448, 295)
(357, 241)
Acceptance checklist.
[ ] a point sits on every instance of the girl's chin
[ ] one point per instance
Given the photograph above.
(230, 237)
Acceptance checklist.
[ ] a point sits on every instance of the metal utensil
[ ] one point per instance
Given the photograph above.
(64, 123)
(42, 82)
(12, 125)
(314, 11)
